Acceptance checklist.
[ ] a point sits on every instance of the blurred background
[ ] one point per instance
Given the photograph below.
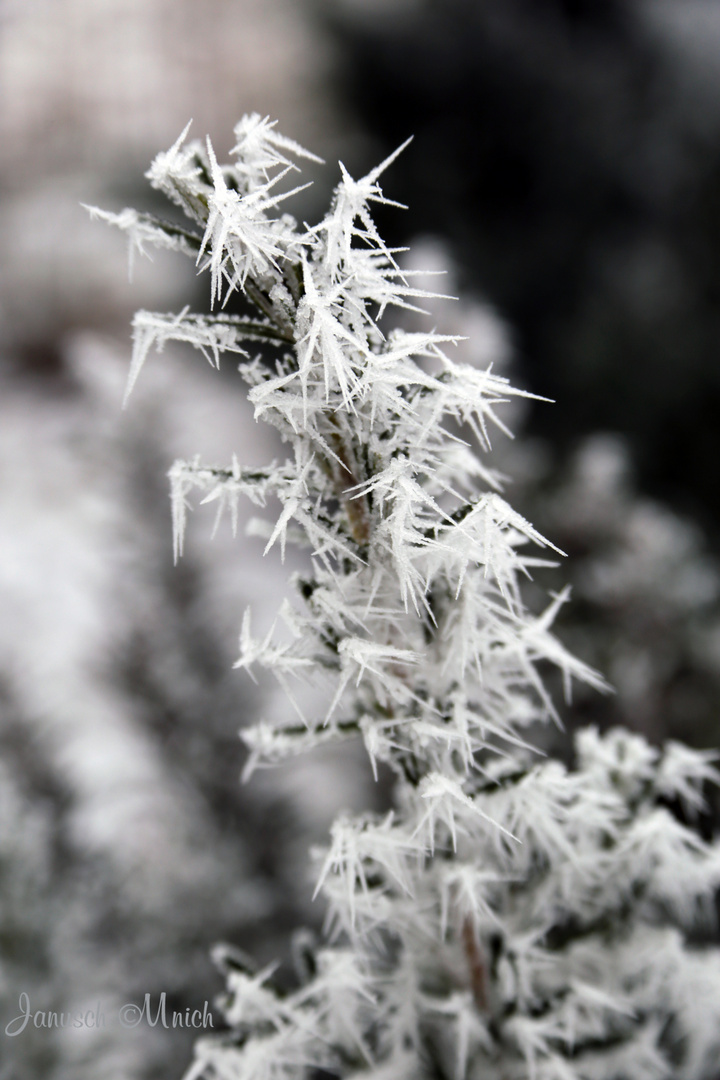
(565, 173)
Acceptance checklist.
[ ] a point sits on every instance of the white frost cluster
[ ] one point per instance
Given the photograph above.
(509, 918)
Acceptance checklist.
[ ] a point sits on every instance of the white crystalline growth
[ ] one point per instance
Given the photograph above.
(510, 917)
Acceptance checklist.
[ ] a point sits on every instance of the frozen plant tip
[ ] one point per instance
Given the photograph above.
(509, 919)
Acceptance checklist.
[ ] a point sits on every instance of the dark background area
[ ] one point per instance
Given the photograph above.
(569, 151)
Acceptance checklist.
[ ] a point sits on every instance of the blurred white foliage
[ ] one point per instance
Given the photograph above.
(108, 823)
(648, 586)
(658, 554)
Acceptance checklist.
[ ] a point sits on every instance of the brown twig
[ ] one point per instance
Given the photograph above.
(356, 508)
(476, 964)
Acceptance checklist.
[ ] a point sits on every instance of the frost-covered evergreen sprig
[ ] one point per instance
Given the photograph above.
(508, 918)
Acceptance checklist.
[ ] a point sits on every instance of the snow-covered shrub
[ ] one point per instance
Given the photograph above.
(507, 918)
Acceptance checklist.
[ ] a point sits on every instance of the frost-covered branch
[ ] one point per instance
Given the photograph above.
(509, 918)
